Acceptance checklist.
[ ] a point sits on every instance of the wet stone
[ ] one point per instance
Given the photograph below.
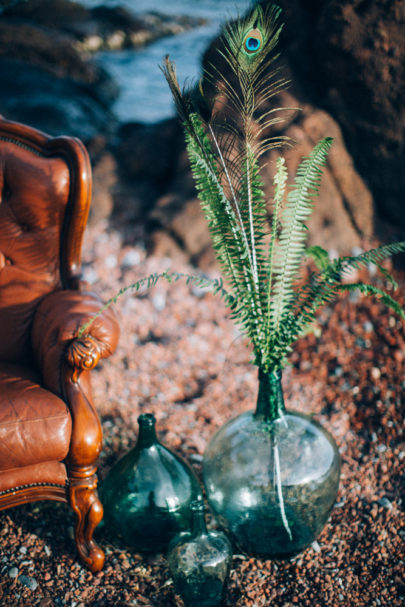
(385, 503)
(29, 582)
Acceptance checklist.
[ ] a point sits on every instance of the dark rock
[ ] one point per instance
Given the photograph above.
(154, 155)
(54, 52)
(46, 81)
(150, 151)
(55, 105)
(59, 15)
(100, 28)
(349, 58)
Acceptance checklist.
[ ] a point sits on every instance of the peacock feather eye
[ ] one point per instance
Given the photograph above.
(253, 41)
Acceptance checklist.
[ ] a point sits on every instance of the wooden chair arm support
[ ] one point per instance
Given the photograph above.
(87, 437)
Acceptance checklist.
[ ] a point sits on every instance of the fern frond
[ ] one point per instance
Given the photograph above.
(324, 287)
(294, 233)
(229, 236)
(373, 256)
(389, 277)
(215, 285)
(279, 183)
(319, 256)
(367, 289)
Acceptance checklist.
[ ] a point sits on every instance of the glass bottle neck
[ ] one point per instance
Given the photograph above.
(198, 526)
(147, 432)
(270, 399)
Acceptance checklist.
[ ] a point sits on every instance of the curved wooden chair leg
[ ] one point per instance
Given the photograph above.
(89, 512)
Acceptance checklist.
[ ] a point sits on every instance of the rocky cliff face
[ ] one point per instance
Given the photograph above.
(349, 59)
(346, 60)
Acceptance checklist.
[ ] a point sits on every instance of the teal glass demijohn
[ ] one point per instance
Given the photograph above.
(148, 492)
(271, 476)
(199, 562)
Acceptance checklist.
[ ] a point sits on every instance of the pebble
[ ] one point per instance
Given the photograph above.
(368, 327)
(385, 503)
(196, 457)
(130, 259)
(91, 276)
(13, 572)
(111, 262)
(159, 301)
(29, 582)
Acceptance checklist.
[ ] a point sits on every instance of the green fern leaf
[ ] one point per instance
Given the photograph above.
(374, 256)
(367, 289)
(319, 256)
(215, 285)
(294, 233)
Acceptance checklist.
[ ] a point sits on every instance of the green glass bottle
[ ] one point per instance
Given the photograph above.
(147, 494)
(271, 476)
(199, 562)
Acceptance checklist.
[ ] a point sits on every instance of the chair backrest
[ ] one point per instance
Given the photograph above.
(45, 192)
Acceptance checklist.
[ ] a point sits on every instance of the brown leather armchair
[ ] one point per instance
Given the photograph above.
(50, 433)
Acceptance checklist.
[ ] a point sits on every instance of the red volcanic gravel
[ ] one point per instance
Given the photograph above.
(181, 358)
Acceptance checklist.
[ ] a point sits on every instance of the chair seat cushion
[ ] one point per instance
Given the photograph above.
(46, 473)
(35, 425)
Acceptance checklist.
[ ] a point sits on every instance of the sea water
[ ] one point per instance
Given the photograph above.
(144, 94)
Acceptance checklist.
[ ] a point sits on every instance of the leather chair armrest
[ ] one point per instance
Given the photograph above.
(55, 340)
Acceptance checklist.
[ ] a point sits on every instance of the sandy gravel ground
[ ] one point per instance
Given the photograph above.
(181, 358)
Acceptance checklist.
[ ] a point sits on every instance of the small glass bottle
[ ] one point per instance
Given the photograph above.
(199, 562)
(147, 494)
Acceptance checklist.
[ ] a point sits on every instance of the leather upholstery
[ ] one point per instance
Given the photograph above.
(35, 425)
(31, 221)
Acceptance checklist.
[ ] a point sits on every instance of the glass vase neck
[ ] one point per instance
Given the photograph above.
(147, 432)
(270, 399)
(198, 526)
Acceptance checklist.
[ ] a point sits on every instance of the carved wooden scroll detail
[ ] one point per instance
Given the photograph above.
(83, 354)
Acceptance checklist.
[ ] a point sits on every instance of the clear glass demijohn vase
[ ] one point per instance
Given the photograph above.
(271, 476)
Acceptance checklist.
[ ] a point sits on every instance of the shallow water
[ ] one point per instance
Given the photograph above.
(144, 94)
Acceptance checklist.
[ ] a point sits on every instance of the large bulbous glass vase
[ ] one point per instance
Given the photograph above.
(147, 494)
(271, 476)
